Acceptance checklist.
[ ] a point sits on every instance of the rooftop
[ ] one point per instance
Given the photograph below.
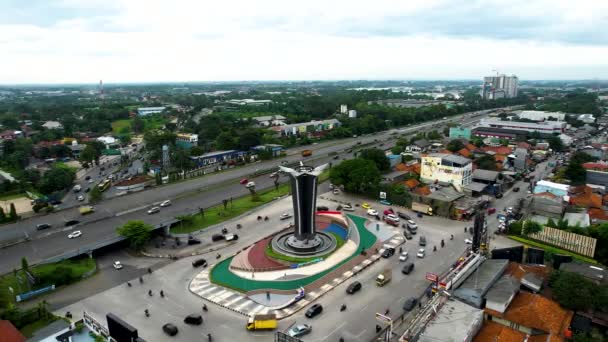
(455, 321)
(446, 194)
(502, 291)
(485, 174)
(480, 281)
(495, 332)
(9, 333)
(592, 272)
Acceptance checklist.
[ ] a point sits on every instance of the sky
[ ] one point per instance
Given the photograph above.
(84, 41)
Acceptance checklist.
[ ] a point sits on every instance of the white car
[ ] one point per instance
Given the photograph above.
(153, 210)
(250, 185)
(80, 198)
(117, 265)
(285, 216)
(393, 217)
(468, 241)
(372, 212)
(91, 181)
(420, 253)
(403, 256)
(509, 209)
(75, 234)
(348, 207)
(336, 192)
(165, 203)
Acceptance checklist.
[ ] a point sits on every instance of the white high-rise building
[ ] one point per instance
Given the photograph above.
(343, 109)
(352, 113)
(499, 86)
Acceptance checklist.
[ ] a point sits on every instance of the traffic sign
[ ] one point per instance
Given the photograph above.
(431, 276)
(382, 195)
(383, 318)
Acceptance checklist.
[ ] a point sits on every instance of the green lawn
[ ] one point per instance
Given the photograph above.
(12, 196)
(119, 125)
(217, 214)
(272, 254)
(29, 330)
(553, 250)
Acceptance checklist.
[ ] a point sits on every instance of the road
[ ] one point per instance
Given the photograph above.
(187, 196)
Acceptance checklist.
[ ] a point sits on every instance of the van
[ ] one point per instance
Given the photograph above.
(407, 268)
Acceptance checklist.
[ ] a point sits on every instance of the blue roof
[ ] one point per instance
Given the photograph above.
(215, 154)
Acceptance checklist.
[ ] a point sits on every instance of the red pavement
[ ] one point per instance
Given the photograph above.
(258, 259)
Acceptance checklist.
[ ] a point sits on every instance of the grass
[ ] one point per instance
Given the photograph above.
(13, 196)
(553, 250)
(29, 330)
(274, 255)
(216, 214)
(119, 125)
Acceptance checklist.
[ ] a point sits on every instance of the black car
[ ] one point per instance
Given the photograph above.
(388, 252)
(403, 215)
(322, 208)
(516, 189)
(499, 195)
(194, 319)
(354, 287)
(43, 226)
(314, 310)
(87, 177)
(170, 329)
(72, 223)
(422, 241)
(55, 202)
(199, 262)
(217, 237)
(193, 241)
(87, 190)
(407, 234)
(407, 268)
(410, 303)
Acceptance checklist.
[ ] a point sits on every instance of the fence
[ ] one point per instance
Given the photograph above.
(573, 242)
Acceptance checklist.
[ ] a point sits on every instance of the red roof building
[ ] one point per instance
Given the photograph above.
(8, 332)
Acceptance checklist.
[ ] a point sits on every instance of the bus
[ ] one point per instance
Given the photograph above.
(103, 186)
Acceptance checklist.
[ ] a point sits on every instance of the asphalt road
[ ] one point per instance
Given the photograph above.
(186, 196)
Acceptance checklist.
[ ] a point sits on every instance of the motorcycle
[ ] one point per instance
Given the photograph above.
(205, 307)
(209, 337)
(218, 256)
(149, 270)
(343, 307)
(442, 243)
(259, 218)
(238, 226)
(141, 280)
(265, 218)
(147, 313)
(129, 284)
(451, 236)
(224, 230)
(162, 294)
(150, 293)
(434, 248)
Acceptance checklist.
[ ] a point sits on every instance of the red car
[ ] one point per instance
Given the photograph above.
(388, 211)
(244, 181)
(491, 211)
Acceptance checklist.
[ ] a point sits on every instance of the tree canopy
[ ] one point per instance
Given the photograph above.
(378, 157)
(137, 232)
(356, 175)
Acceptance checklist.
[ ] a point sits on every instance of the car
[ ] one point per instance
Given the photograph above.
(87, 190)
(422, 240)
(250, 185)
(80, 198)
(407, 268)
(231, 237)
(314, 310)
(509, 210)
(55, 202)
(393, 217)
(217, 237)
(193, 241)
(403, 215)
(420, 253)
(72, 223)
(410, 303)
(388, 253)
(372, 212)
(244, 181)
(170, 329)
(75, 234)
(153, 210)
(87, 178)
(407, 235)
(285, 216)
(199, 262)
(468, 241)
(336, 192)
(43, 226)
(499, 195)
(90, 181)
(336, 157)
(403, 256)
(366, 206)
(353, 287)
(322, 208)
(165, 203)
(193, 319)
(348, 207)
(272, 175)
(117, 265)
(299, 330)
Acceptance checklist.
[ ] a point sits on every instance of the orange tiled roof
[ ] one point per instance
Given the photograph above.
(464, 152)
(417, 168)
(500, 157)
(518, 270)
(598, 214)
(605, 199)
(545, 194)
(498, 150)
(9, 333)
(535, 311)
(446, 151)
(470, 147)
(411, 183)
(423, 191)
(401, 167)
(496, 332)
(587, 199)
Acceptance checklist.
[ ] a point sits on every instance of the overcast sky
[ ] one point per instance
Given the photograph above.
(83, 41)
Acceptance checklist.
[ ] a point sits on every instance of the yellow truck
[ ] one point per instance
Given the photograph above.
(262, 322)
(87, 209)
(384, 277)
(422, 208)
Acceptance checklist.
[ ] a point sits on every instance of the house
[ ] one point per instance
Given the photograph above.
(217, 157)
(474, 288)
(446, 169)
(537, 115)
(587, 198)
(8, 332)
(315, 128)
(491, 180)
(418, 146)
(411, 184)
(566, 139)
(9, 135)
(269, 120)
(554, 188)
(186, 140)
(144, 111)
(546, 204)
(596, 274)
(52, 125)
(108, 141)
(394, 176)
(586, 118)
(460, 132)
(274, 149)
(453, 321)
(596, 173)
(501, 294)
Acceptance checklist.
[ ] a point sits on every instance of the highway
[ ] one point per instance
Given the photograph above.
(186, 196)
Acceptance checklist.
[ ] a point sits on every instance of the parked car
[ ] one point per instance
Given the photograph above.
(231, 237)
(407, 235)
(499, 195)
(420, 253)
(410, 303)
(285, 216)
(388, 252)
(153, 210)
(353, 287)
(407, 268)
(250, 185)
(348, 207)
(403, 256)
(422, 240)
(314, 310)
(393, 217)
(516, 189)
(217, 237)
(193, 319)
(468, 241)
(322, 208)
(299, 330)
(365, 206)
(75, 234)
(372, 212)
(244, 181)
(491, 211)
(117, 265)
(199, 262)
(336, 192)
(170, 329)
(87, 177)
(43, 226)
(80, 198)
(193, 241)
(87, 190)
(403, 215)
(72, 223)
(165, 203)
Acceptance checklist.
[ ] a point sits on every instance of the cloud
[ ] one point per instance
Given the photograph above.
(137, 40)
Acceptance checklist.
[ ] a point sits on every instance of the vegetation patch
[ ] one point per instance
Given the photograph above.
(300, 260)
(121, 126)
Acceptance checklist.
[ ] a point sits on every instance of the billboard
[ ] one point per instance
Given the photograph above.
(576, 243)
(120, 330)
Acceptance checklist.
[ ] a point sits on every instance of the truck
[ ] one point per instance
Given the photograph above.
(262, 322)
(422, 208)
(306, 153)
(77, 188)
(384, 277)
(87, 209)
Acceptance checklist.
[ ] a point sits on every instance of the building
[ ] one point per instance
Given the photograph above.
(418, 146)
(520, 163)
(143, 111)
(499, 86)
(8, 332)
(269, 120)
(537, 115)
(274, 149)
(446, 169)
(474, 288)
(249, 102)
(52, 125)
(566, 139)
(597, 173)
(546, 127)
(557, 189)
(547, 205)
(460, 132)
(594, 273)
(454, 321)
(306, 128)
(502, 293)
(586, 118)
(217, 157)
(490, 180)
(343, 109)
(186, 140)
(498, 133)
(352, 113)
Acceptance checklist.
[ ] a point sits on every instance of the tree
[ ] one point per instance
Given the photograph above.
(137, 232)
(159, 178)
(138, 125)
(225, 141)
(378, 157)
(13, 213)
(397, 149)
(56, 179)
(2, 215)
(433, 135)
(95, 195)
(575, 171)
(455, 145)
(356, 175)
(24, 264)
(573, 291)
(486, 162)
(555, 143)
(531, 227)
(88, 154)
